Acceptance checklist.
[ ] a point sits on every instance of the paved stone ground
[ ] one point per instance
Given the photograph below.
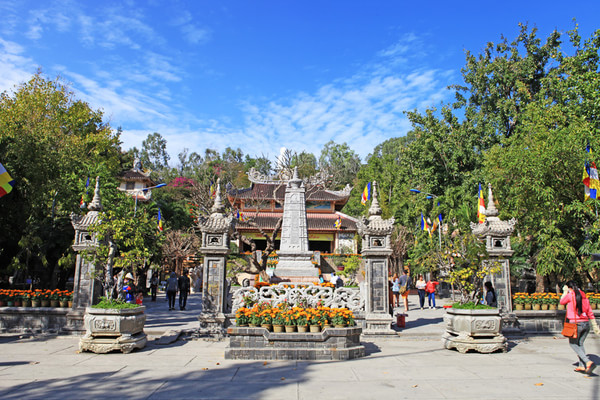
(411, 365)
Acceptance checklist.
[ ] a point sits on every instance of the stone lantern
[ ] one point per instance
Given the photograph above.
(496, 234)
(376, 248)
(85, 287)
(215, 247)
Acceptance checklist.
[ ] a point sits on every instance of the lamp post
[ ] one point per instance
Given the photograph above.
(144, 190)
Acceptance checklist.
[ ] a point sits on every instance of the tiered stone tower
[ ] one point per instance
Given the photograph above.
(294, 255)
(85, 288)
(376, 248)
(497, 242)
(215, 248)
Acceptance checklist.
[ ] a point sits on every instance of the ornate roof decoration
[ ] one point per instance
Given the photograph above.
(493, 226)
(374, 224)
(216, 222)
(83, 222)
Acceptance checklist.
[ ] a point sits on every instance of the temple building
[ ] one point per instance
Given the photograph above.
(329, 230)
(135, 180)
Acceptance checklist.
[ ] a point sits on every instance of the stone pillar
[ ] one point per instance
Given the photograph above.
(496, 234)
(294, 255)
(215, 248)
(376, 248)
(86, 288)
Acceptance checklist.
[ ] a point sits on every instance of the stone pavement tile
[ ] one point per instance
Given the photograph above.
(507, 388)
(383, 389)
(209, 389)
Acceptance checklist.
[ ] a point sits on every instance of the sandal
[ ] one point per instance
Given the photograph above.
(580, 369)
(590, 367)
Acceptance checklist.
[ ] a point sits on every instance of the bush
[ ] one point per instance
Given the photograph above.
(115, 304)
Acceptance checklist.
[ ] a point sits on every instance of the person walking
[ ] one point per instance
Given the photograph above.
(579, 312)
(404, 288)
(172, 286)
(395, 291)
(430, 289)
(490, 295)
(420, 285)
(153, 285)
(184, 289)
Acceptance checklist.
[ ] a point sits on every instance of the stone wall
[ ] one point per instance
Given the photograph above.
(538, 322)
(260, 344)
(28, 319)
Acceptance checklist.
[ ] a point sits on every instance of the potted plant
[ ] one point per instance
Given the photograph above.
(470, 325)
(289, 319)
(45, 298)
(314, 319)
(242, 316)
(519, 300)
(278, 320)
(553, 300)
(301, 317)
(536, 301)
(113, 324)
(266, 318)
(65, 297)
(254, 317)
(54, 298)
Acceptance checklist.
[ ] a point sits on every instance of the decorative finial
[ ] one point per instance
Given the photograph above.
(96, 204)
(491, 210)
(295, 182)
(374, 210)
(218, 205)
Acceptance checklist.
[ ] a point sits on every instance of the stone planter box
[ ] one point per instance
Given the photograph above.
(260, 344)
(29, 319)
(477, 330)
(110, 329)
(540, 322)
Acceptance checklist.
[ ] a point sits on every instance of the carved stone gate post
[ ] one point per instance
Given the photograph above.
(215, 248)
(376, 248)
(85, 287)
(497, 242)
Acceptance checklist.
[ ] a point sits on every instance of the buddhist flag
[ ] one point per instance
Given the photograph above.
(87, 185)
(213, 190)
(338, 223)
(481, 207)
(239, 216)
(160, 223)
(366, 194)
(590, 178)
(6, 182)
(424, 224)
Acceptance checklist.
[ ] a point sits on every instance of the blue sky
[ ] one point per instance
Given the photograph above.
(260, 75)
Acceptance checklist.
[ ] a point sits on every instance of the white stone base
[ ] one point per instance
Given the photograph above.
(464, 343)
(105, 344)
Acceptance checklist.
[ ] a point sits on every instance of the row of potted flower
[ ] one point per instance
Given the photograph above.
(258, 284)
(36, 298)
(285, 317)
(547, 301)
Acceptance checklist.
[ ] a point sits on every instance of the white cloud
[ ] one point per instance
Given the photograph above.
(14, 67)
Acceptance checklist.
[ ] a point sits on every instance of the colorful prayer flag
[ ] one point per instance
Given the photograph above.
(239, 216)
(160, 223)
(590, 178)
(424, 225)
(213, 190)
(338, 223)
(87, 185)
(366, 194)
(481, 207)
(6, 182)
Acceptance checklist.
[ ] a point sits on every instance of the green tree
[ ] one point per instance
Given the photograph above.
(340, 163)
(50, 142)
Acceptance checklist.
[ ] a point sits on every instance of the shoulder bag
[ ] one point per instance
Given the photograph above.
(569, 329)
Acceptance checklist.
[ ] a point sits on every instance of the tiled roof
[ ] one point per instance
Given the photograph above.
(316, 221)
(134, 175)
(270, 191)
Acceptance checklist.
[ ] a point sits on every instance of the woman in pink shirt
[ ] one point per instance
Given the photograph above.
(579, 312)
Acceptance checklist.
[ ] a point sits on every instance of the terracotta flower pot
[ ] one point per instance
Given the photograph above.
(45, 303)
(545, 306)
(518, 307)
(64, 303)
(537, 307)
(277, 328)
(53, 303)
(290, 328)
(35, 303)
(315, 328)
(551, 306)
(268, 327)
(528, 306)
(560, 307)
(302, 328)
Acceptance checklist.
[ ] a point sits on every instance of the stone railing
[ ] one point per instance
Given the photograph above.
(309, 294)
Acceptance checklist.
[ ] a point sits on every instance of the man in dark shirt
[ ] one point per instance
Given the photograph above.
(184, 289)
